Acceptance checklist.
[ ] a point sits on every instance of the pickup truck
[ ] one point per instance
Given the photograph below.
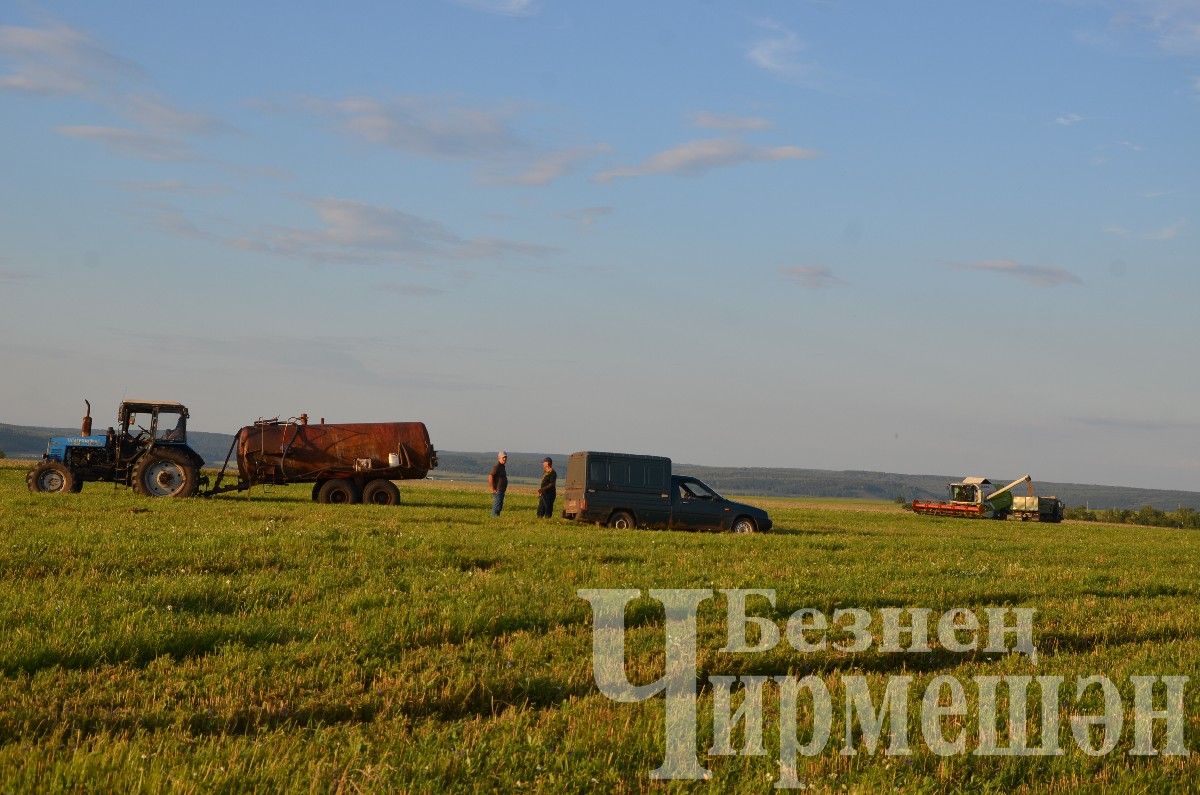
(626, 491)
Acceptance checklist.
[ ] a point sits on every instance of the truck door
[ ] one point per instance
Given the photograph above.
(695, 506)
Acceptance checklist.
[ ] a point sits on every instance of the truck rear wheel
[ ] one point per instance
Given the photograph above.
(52, 477)
(621, 520)
(338, 491)
(381, 492)
(165, 473)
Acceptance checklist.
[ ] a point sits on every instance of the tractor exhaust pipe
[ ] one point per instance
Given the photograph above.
(85, 428)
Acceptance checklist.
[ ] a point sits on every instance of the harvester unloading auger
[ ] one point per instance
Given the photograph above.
(969, 499)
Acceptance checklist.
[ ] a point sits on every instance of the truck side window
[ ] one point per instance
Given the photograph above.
(597, 471)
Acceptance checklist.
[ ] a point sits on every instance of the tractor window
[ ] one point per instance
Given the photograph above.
(172, 428)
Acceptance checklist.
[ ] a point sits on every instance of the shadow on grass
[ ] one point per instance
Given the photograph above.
(139, 652)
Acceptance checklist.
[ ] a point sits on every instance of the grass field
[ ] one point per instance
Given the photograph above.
(273, 644)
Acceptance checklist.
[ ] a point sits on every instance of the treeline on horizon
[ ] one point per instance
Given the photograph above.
(1147, 515)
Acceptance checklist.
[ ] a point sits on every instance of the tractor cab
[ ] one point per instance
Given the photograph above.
(153, 422)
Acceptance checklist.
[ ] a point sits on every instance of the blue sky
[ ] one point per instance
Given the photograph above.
(939, 237)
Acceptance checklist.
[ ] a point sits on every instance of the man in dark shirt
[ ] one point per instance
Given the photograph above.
(546, 489)
(498, 482)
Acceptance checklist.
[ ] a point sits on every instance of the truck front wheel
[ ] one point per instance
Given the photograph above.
(52, 477)
(744, 524)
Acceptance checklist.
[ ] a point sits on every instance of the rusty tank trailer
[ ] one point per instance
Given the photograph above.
(345, 462)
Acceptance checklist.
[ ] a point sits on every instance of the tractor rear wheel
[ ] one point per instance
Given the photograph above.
(338, 491)
(381, 492)
(165, 473)
(52, 477)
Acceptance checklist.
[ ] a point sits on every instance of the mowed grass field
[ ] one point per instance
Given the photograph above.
(272, 644)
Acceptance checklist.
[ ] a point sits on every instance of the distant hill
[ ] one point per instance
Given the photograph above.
(27, 441)
(23, 441)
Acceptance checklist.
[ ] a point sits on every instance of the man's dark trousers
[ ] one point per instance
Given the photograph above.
(546, 504)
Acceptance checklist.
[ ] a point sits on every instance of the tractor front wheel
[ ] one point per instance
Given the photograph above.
(52, 477)
(163, 473)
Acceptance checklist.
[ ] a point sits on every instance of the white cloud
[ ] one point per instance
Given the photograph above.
(447, 129)
(812, 277)
(720, 121)
(507, 8)
(355, 233)
(156, 113)
(1174, 24)
(552, 165)
(588, 215)
(1068, 119)
(172, 186)
(413, 290)
(1169, 232)
(130, 143)
(58, 59)
(776, 53)
(697, 157)
(1039, 275)
(425, 126)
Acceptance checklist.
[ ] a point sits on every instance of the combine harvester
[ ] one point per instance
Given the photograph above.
(969, 499)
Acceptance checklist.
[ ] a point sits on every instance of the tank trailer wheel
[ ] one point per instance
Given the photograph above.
(164, 473)
(338, 491)
(316, 490)
(744, 524)
(52, 477)
(381, 492)
(621, 520)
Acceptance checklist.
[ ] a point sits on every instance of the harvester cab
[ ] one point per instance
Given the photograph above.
(147, 450)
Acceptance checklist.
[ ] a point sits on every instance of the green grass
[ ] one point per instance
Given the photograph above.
(268, 643)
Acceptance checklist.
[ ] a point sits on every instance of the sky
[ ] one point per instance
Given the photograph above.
(939, 237)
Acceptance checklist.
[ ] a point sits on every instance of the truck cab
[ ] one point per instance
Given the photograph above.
(626, 491)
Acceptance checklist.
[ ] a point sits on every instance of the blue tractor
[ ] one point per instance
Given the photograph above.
(148, 451)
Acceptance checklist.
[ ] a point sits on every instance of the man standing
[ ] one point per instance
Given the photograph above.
(546, 489)
(498, 482)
